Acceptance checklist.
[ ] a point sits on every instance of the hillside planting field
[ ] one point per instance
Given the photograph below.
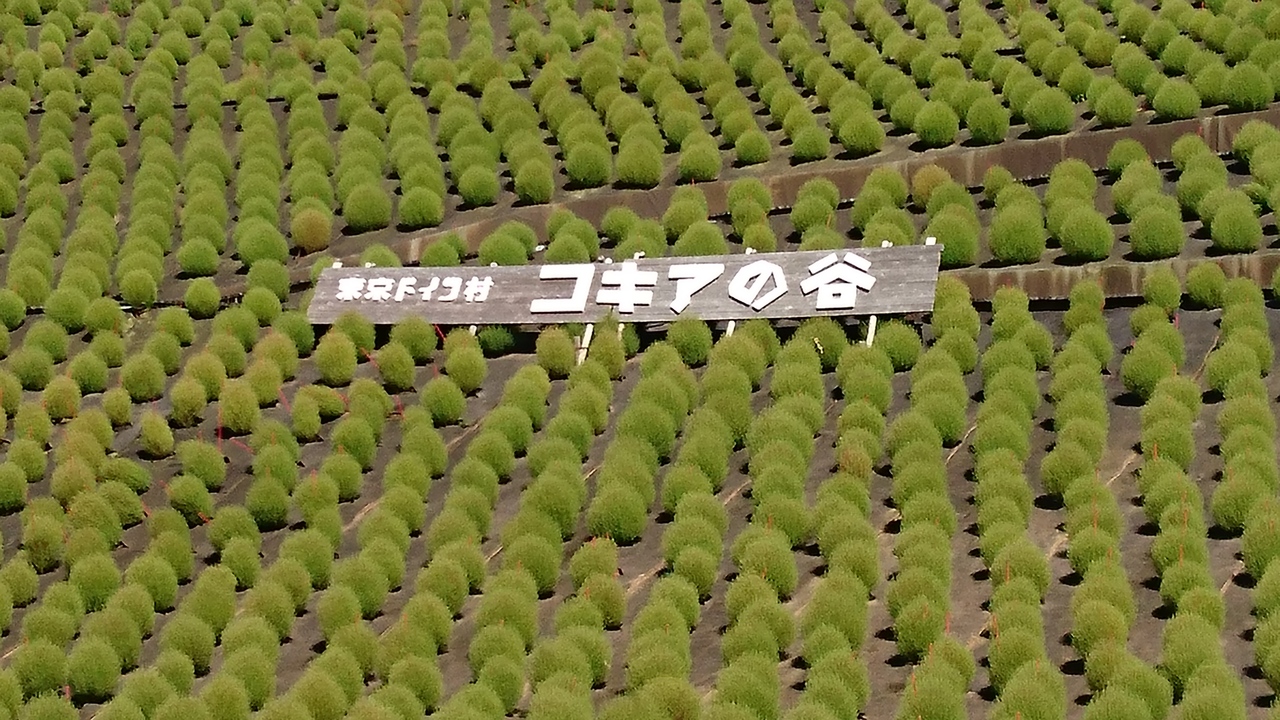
(1054, 496)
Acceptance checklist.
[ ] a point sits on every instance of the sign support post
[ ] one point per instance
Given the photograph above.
(584, 342)
(871, 323)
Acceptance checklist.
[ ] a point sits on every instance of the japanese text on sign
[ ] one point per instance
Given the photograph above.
(775, 285)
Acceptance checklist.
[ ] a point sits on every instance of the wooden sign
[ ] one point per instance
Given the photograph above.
(871, 281)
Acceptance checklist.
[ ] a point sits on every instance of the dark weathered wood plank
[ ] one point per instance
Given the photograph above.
(732, 287)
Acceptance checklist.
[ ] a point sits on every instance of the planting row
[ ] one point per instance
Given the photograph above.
(613, 115)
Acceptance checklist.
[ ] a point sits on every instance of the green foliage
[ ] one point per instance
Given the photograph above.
(1162, 288)
(446, 402)
(1049, 112)
(900, 342)
(143, 377)
(367, 207)
(417, 336)
(692, 339)
(1176, 100)
(556, 351)
(1086, 235)
(752, 147)
(1206, 284)
(1235, 228)
(700, 160)
(467, 367)
(335, 358)
(1156, 233)
(617, 512)
(936, 124)
(1017, 235)
(93, 669)
(987, 121)
(478, 186)
(588, 165)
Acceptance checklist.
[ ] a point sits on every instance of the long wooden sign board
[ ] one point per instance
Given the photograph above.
(870, 281)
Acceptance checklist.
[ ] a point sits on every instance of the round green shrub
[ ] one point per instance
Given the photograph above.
(1206, 284)
(1156, 233)
(936, 124)
(67, 307)
(1176, 100)
(143, 377)
(1248, 88)
(93, 669)
(1115, 107)
(32, 366)
(335, 359)
(367, 207)
(1235, 228)
(618, 512)
(417, 336)
(1162, 288)
(692, 339)
(96, 577)
(535, 183)
(588, 165)
(1049, 112)
(556, 351)
(1017, 236)
(191, 637)
(1086, 235)
(444, 400)
(860, 134)
(752, 147)
(900, 343)
(987, 120)
(700, 160)
(138, 289)
(468, 369)
(478, 186)
(420, 207)
(40, 667)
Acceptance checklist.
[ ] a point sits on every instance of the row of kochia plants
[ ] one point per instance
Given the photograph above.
(918, 595)
(93, 497)
(358, 585)
(1103, 607)
(1018, 667)
(1024, 222)
(1193, 673)
(1021, 226)
(370, 106)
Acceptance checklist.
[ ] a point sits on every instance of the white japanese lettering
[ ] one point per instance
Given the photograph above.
(477, 289)
(690, 279)
(838, 280)
(406, 287)
(350, 288)
(379, 289)
(453, 285)
(752, 279)
(425, 293)
(626, 293)
(581, 275)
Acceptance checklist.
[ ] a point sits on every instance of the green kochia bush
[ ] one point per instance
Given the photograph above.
(1050, 112)
(1235, 228)
(936, 124)
(1176, 100)
(40, 667)
(1017, 235)
(1206, 285)
(987, 121)
(1086, 235)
